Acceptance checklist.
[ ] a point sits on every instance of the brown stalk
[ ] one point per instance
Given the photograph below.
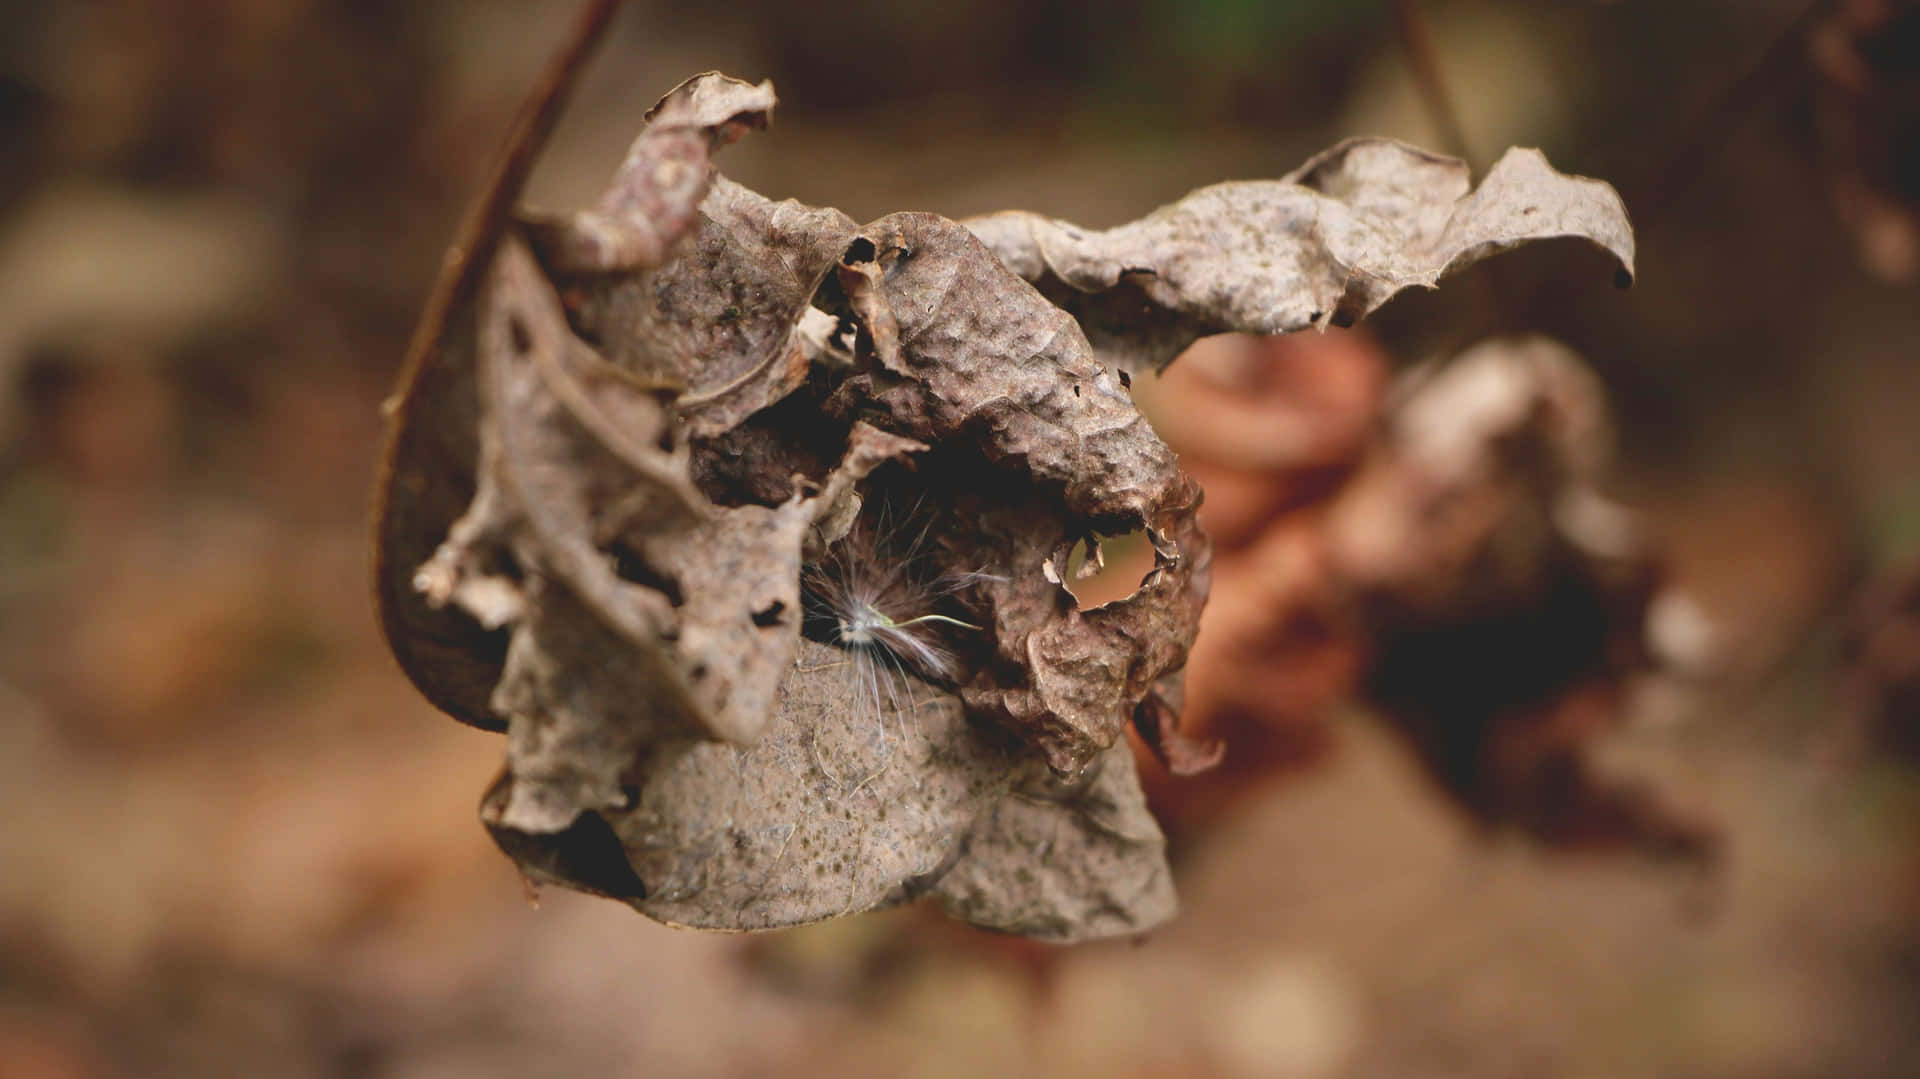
(480, 231)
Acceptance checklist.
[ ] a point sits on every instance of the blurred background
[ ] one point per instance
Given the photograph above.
(236, 842)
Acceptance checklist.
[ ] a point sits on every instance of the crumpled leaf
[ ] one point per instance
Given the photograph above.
(589, 527)
(663, 417)
(433, 456)
(728, 309)
(660, 184)
(1326, 244)
(723, 314)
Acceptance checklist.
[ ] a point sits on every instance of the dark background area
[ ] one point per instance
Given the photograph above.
(236, 841)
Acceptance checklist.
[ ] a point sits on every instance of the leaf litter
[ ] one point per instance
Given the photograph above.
(660, 430)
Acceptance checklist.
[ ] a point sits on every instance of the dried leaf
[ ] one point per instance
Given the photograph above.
(661, 183)
(725, 315)
(429, 470)
(1327, 244)
(668, 413)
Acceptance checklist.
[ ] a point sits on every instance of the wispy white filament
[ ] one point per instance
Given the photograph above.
(876, 601)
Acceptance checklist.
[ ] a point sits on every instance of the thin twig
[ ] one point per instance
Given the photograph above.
(1675, 169)
(460, 273)
(479, 233)
(1478, 292)
(1416, 39)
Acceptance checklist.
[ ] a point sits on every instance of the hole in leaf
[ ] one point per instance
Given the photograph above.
(1102, 569)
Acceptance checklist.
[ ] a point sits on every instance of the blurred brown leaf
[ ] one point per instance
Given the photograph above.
(1503, 597)
(1468, 580)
